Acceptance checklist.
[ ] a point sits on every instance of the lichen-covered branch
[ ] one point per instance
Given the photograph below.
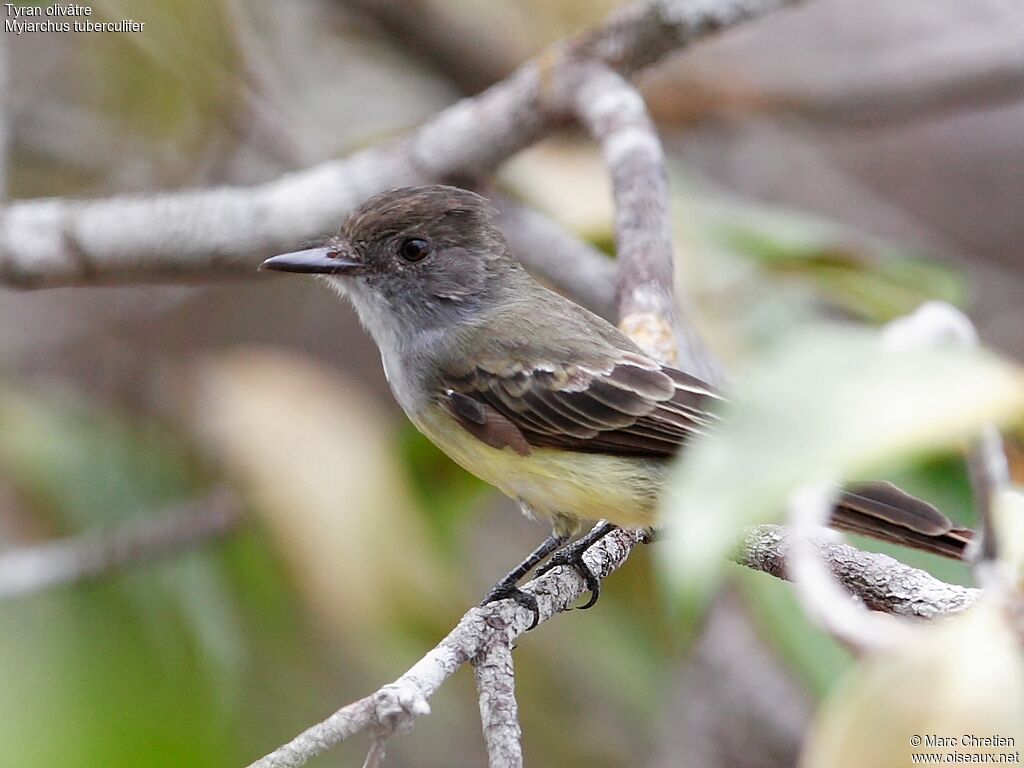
(823, 600)
(881, 582)
(394, 707)
(614, 113)
(499, 713)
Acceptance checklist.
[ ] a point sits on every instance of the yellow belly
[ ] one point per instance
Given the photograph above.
(567, 488)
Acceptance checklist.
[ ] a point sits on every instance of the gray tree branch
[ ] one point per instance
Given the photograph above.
(29, 570)
(229, 230)
(470, 56)
(881, 582)
(394, 707)
(495, 684)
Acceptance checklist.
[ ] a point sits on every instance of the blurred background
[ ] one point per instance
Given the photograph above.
(850, 159)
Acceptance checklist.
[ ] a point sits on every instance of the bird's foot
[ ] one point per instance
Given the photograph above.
(572, 556)
(508, 590)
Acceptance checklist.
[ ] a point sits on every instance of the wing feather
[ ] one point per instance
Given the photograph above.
(631, 407)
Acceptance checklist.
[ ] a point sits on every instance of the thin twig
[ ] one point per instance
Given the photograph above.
(90, 555)
(469, 55)
(903, 91)
(266, 113)
(990, 476)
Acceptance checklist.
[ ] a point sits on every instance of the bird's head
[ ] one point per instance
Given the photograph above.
(412, 259)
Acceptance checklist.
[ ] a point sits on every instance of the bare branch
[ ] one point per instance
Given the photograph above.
(394, 706)
(178, 236)
(990, 476)
(882, 583)
(903, 91)
(499, 713)
(614, 112)
(79, 558)
(879, 581)
(266, 113)
(375, 755)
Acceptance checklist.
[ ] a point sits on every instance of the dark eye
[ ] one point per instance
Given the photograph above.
(414, 249)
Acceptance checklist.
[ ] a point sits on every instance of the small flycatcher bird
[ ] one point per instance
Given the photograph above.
(531, 392)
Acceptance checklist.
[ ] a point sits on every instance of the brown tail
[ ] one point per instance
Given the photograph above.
(883, 511)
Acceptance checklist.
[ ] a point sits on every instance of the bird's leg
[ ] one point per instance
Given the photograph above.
(572, 556)
(507, 588)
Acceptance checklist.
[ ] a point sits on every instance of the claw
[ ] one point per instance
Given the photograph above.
(650, 535)
(572, 556)
(505, 591)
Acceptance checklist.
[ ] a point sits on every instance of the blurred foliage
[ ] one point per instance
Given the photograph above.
(145, 83)
(957, 678)
(818, 659)
(445, 491)
(870, 404)
(857, 274)
(144, 667)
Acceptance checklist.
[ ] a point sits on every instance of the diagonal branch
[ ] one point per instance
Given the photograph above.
(32, 569)
(882, 583)
(394, 706)
(437, 34)
(229, 230)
